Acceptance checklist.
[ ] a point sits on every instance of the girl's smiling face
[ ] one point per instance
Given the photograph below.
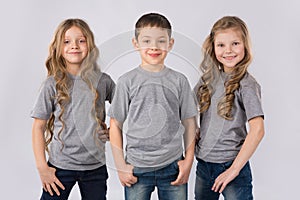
(74, 48)
(229, 48)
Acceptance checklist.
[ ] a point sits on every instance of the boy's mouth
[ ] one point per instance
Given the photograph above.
(154, 55)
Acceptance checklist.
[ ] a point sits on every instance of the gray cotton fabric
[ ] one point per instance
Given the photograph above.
(153, 105)
(221, 139)
(78, 147)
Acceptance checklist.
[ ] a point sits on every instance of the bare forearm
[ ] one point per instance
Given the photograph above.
(38, 143)
(189, 144)
(251, 143)
(189, 138)
(116, 142)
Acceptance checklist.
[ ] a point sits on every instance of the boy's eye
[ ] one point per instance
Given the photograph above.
(162, 41)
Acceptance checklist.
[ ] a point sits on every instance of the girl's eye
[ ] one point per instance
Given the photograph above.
(146, 41)
(220, 45)
(236, 43)
(82, 41)
(66, 42)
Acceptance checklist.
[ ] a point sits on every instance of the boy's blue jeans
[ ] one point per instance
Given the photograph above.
(160, 178)
(238, 189)
(92, 183)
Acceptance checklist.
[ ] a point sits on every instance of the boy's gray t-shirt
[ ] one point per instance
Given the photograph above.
(154, 103)
(78, 147)
(221, 139)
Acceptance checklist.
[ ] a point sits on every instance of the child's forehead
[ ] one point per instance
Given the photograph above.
(232, 31)
(152, 31)
(74, 31)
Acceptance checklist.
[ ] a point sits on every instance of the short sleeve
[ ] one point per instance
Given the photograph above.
(44, 104)
(251, 98)
(110, 89)
(187, 100)
(120, 103)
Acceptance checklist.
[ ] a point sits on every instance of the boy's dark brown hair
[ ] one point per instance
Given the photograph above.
(153, 20)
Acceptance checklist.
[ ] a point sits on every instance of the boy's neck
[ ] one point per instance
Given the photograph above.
(153, 68)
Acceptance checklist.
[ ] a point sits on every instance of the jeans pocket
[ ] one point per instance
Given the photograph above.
(134, 172)
(228, 164)
(101, 171)
(139, 172)
(175, 165)
(246, 171)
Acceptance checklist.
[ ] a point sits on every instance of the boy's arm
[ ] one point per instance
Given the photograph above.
(189, 144)
(255, 135)
(47, 174)
(125, 171)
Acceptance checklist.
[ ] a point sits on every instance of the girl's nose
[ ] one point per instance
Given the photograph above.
(74, 45)
(228, 49)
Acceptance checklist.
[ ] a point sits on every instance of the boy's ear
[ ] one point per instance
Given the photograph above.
(135, 43)
(171, 44)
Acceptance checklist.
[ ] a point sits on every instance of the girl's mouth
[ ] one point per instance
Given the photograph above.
(229, 57)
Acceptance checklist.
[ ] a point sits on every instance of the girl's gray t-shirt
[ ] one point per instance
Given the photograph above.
(78, 147)
(151, 106)
(221, 139)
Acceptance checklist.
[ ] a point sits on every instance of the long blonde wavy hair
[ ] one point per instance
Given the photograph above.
(56, 67)
(210, 67)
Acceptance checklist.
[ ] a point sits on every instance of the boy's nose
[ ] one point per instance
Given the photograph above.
(154, 46)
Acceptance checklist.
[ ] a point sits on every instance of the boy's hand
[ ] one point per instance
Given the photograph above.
(184, 172)
(103, 135)
(50, 181)
(126, 176)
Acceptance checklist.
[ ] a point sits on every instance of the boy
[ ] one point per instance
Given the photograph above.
(160, 109)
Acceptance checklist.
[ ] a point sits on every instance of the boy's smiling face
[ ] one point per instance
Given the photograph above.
(153, 43)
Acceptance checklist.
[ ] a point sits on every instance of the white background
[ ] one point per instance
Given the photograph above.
(27, 28)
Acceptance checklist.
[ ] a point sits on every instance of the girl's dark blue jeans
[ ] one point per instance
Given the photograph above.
(238, 189)
(92, 183)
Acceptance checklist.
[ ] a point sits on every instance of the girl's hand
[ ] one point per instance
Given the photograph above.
(103, 135)
(184, 172)
(223, 179)
(255, 135)
(50, 181)
(126, 176)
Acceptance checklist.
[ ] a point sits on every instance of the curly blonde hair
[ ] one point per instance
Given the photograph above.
(56, 67)
(210, 67)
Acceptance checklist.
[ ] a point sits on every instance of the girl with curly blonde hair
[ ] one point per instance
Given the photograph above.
(229, 98)
(69, 116)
